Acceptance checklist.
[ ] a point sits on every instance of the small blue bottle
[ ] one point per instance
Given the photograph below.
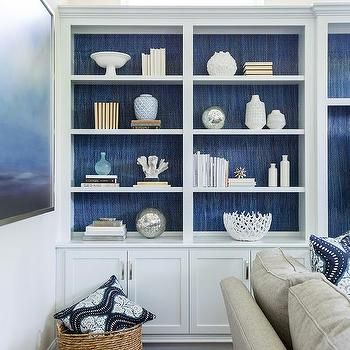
(103, 166)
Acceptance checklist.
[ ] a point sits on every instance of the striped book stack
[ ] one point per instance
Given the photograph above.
(106, 115)
(154, 63)
(106, 229)
(100, 181)
(145, 124)
(237, 182)
(258, 68)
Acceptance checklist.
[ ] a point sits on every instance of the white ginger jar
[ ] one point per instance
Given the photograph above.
(222, 63)
(276, 120)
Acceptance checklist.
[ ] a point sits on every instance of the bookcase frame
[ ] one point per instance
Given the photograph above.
(189, 22)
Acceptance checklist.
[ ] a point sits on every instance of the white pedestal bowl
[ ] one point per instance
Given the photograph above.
(110, 60)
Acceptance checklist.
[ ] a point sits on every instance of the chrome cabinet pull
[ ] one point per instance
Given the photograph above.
(123, 271)
(130, 271)
(246, 264)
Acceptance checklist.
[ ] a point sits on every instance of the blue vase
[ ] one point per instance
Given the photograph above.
(146, 107)
(103, 166)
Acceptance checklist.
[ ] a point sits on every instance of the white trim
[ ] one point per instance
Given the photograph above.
(53, 345)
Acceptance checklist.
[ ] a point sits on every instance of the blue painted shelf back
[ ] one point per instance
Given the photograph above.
(255, 153)
(232, 99)
(281, 49)
(209, 208)
(169, 103)
(122, 151)
(125, 206)
(339, 65)
(339, 170)
(132, 44)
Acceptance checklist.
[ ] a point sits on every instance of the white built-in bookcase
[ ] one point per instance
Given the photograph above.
(161, 21)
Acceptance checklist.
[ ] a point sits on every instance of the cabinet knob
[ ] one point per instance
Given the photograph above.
(130, 271)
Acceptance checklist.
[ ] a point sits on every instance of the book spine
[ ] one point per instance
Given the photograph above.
(163, 53)
(144, 64)
(106, 181)
(152, 54)
(107, 116)
(96, 115)
(99, 115)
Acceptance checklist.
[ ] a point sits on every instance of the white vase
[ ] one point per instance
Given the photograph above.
(146, 107)
(276, 120)
(272, 175)
(255, 115)
(221, 63)
(285, 172)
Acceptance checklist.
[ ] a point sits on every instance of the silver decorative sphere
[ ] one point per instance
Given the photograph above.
(150, 222)
(213, 118)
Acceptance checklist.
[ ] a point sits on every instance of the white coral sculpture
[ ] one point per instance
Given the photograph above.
(240, 173)
(149, 166)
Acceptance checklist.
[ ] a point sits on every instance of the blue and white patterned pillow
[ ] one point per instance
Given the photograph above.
(331, 256)
(105, 310)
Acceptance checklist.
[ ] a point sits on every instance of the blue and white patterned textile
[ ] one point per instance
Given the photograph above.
(105, 310)
(331, 256)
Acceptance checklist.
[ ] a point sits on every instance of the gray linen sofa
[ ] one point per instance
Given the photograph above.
(292, 308)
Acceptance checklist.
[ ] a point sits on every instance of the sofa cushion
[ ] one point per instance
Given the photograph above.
(273, 274)
(319, 316)
(106, 309)
(331, 256)
(249, 327)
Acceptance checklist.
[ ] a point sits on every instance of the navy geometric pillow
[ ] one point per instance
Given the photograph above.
(331, 256)
(107, 309)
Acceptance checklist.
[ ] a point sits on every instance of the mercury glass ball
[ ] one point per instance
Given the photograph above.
(150, 223)
(213, 118)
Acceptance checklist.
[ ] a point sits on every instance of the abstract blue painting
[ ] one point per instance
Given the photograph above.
(26, 110)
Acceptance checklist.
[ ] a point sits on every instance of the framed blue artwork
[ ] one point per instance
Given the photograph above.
(26, 110)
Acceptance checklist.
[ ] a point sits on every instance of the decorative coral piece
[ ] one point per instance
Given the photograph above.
(240, 173)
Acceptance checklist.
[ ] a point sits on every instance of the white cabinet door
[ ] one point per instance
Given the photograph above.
(87, 269)
(158, 280)
(300, 254)
(208, 268)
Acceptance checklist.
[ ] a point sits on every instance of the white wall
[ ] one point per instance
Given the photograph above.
(27, 279)
(27, 292)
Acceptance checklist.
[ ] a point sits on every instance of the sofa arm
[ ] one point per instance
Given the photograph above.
(249, 327)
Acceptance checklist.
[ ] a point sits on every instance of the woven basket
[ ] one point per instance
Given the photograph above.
(129, 339)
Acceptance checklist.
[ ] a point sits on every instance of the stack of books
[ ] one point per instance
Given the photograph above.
(106, 115)
(245, 182)
(209, 171)
(145, 124)
(100, 181)
(154, 63)
(258, 68)
(151, 183)
(106, 229)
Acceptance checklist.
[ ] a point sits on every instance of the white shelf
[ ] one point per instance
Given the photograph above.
(248, 132)
(247, 79)
(338, 101)
(126, 131)
(127, 79)
(201, 240)
(250, 189)
(124, 189)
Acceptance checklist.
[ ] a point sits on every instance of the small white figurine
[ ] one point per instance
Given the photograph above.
(240, 173)
(149, 166)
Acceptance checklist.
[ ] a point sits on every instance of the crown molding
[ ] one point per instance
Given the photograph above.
(111, 11)
(332, 9)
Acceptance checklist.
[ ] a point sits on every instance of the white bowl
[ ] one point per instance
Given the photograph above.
(110, 60)
(247, 226)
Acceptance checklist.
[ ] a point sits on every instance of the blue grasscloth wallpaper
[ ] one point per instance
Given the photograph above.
(339, 170)
(122, 152)
(233, 99)
(132, 44)
(169, 103)
(125, 206)
(255, 153)
(281, 49)
(339, 65)
(209, 208)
